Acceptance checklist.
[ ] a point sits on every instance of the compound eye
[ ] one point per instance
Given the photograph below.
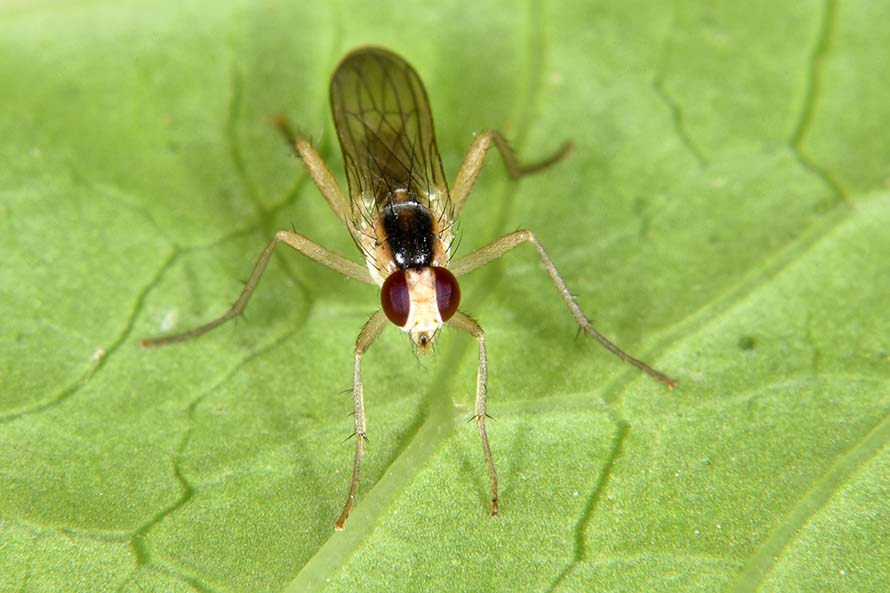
(395, 298)
(447, 293)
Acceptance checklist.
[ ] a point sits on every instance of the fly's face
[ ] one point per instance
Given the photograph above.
(420, 301)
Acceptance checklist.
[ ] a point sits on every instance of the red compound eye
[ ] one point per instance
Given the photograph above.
(447, 293)
(395, 299)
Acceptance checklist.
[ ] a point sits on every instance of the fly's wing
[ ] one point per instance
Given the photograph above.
(385, 128)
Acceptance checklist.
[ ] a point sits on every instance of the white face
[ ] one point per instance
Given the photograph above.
(424, 319)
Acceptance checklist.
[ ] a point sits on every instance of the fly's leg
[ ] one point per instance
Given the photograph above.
(466, 324)
(494, 250)
(318, 171)
(366, 337)
(475, 159)
(310, 249)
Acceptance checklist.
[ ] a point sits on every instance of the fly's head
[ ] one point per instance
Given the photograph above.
(420, 301)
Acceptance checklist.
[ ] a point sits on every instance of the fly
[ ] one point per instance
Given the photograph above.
(401, 214)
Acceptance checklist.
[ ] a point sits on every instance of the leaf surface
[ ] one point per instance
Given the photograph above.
(723, 216)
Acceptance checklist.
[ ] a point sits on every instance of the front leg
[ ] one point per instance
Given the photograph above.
(366, 337)
(465, 323)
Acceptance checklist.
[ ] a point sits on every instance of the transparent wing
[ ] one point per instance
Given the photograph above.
(385, 128)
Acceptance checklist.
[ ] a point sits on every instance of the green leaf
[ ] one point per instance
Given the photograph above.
(724, 216)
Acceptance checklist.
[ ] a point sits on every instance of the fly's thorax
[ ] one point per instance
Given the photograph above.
(406, 234)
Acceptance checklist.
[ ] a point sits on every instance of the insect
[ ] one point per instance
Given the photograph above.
(401, 213)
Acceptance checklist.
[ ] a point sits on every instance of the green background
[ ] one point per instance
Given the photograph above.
(724, 216)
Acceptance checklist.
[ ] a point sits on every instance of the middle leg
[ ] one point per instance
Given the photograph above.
(310, 249)
(496, 249)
